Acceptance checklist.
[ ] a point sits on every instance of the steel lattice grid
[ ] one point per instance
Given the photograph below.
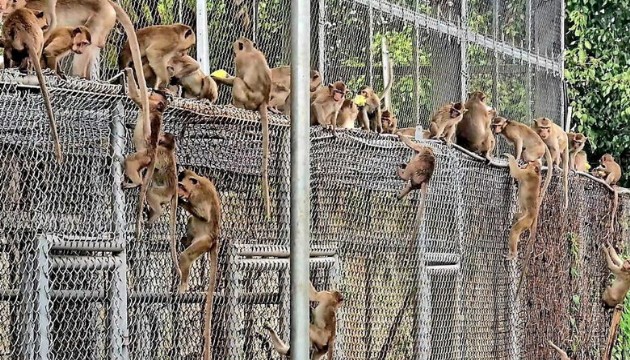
(547, 40)
(547, 101)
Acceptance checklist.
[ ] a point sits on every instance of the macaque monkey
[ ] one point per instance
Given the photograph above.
(199, 197)
(23, 44)
(411, 131)
(418, 170)
(558, 143)
(159, 44)
(347, 114)
(608, 170)
(616, 293)
(528, 202)
(195, 84)
(389, 122)
(61, 42)
(444, 122)
(370, 114)
(473, 131)
(250, 90)
(576, 144)
(326, 104)
(581, 162)
(323, 328)
(527, 144)
(281, 94)
(562, 353)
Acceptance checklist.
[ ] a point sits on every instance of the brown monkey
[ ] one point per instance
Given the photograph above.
(195, 84)
(250, 90)
(528, 202)
(389, 122)
(581, 161)
(418, 170)
(159, 44)
(370, 114)
(558, 143)
(63, 40)
(426, 134)
(284, 104)
(562, 353)
(616, 293)
(473, 131)
(527, 144)
(23, 44)
(444, 122)
(608, 169)
(347, 114)
(323, 328)
(199, 197)
(326, 103)
(576, 144)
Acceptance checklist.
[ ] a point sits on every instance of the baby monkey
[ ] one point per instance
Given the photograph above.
(323, 328)
(61, 42)
(418, 170)
(616, 293)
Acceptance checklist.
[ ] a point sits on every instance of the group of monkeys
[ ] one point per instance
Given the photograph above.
(39, 33)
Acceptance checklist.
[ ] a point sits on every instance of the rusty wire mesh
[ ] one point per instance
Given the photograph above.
(76, 284)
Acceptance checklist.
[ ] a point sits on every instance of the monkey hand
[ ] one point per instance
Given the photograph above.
(510, 257)
(509, 156)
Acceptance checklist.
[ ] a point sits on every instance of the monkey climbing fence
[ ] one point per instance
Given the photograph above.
(76, 284)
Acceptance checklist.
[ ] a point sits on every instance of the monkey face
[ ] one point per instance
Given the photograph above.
(498, 124)
(337, 91)
(81, 40)
(578, 142)
(167, 140)
(316, 80)
(606, 158)
(479, 95)
(188, 182)
(337, 297)
(544, 132)
(457, 110)
(157, 102)
(243, 44)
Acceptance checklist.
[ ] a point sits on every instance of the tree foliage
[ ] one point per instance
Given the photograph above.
(597, 71)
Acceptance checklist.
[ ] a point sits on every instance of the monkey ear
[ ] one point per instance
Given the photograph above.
(330, 86)
(38, 14)
(188, 33)
(76, 31)
(241, 46)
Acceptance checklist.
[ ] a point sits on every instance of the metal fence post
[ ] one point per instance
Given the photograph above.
(300, 177)
(43, 298)
(464, 49)
(119, 331)
(321, 38)
(203, 53)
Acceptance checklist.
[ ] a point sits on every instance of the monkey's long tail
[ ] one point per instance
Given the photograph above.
(264, 171)
(615, 206)
(173, 220)
(565, 176)
(563, 354)
(49, 110)
(277, 343)
(137, 63)
(207, 316)
(530, 249)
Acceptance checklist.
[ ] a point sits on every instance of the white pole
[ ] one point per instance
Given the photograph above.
(203, 53)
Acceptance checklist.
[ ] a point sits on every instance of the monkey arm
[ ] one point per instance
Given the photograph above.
(609, 261)
(229, 81)
(515, 171)
(414, 146)
(518, 146)
(613, 254)
(319, 336)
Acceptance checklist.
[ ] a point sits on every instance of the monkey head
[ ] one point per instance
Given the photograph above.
(532, 167)
(81, 39)
(366, 91)
(316, 80)
(182, 66)
(578, 141)
(388, 120)
(338, 91)
(477, 95)
(190, 185)
(167, 140)
(40, 19)
(243, 44)
(7, 6)
(456, 110)
(543, 128)
(606, 158)
(498, 124)
(158, 101)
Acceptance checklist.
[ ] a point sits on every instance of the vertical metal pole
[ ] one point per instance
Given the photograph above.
(119, 331)
(464, 50)
(386, 66)
(370, 79)
(321, 39)
(563, 105)
(203, 53)
(528, 82)
(495, 55)
(300, 177)
(43, 298)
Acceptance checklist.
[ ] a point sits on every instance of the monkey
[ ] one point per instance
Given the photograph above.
(562, 353)
(418, 170)
(444, 121)
(527, 144)
(576, 144)
(581, 162)
(323, 328)
(608, 169)
(199, 197)
(529, 180)
(195, 84)
(326, 104)
(558, 143)
(389, 122)
(370, 114)
(347, 114)
(473, 131)
(283, 103)
(616, 293)
(23, 44)
(250, 91)
(159, 44)
(63, 40)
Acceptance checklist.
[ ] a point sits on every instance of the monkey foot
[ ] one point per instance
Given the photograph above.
(129, 185)
(274, 110)
(510, 257)
(182, 288)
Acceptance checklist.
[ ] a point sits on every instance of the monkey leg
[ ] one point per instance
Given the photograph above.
(406, 190)
(515, 233)
(449, 137)
(155, 202)
(319, 336)
(402, 173)
(198, 247)
(157, 62)
(134, 163)
(277, 343)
